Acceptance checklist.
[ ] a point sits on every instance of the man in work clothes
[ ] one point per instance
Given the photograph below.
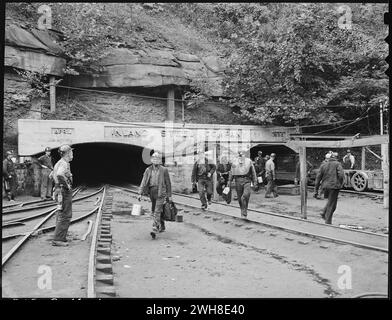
(348, 161)
(332, 175)
(223, 171)
(317, 193)
(243, 172)
(270, 174)
(46, 168)
(62, 177)
(202, 175)
(260, 168)
(156, 183)
(9, 176)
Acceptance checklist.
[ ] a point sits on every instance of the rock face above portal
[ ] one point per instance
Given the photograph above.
(125, 67)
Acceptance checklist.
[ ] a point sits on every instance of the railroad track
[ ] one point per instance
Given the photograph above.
(26, 226)
(358, 238)
(369, 194)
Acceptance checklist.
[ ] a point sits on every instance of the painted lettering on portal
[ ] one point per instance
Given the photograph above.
(62, 131)
(124, 132)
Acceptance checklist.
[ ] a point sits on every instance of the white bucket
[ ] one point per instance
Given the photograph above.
(226, 190)
(136, 209)
(259, 179)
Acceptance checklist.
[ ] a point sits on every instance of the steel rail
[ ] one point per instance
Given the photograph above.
(93, 250)
(293, 230)
(10, 222)
(43, 230)
(44, 205)
(274, 214)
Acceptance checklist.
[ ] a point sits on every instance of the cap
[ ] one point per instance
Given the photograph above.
(328, 155)
(273, 154)
(260, 152)
(64, 149)
(348, 151)
(334, 155)
(10, 153)
(47, 149)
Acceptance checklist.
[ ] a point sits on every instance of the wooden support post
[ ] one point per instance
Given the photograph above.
(303, 183)
(215, 176)
(52, 94)
(385, 171)
(170, 114)
(363, 158)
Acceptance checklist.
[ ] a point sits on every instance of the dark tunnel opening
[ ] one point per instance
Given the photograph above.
(114, 163)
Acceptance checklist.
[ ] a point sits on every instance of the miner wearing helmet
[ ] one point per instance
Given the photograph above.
(156, 183)
(62, 177)
(9, 176)
(46, 168)
(271, 177)
(243, 172)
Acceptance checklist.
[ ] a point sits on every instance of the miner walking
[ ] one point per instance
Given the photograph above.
(202, 175)
(243, 172)
(46, 168)
(270, 173)
(156, 183)
(9, 176)
(332, 175)
(62, 177)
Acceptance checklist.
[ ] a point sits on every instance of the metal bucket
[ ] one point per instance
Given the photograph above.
(136, 209)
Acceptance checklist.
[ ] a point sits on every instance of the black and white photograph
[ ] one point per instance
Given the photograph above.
(195, 150)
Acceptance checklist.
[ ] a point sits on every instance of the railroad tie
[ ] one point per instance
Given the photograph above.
(105, 259)
(104, 267)
(107, 291)
(104, 250)
(105, 278)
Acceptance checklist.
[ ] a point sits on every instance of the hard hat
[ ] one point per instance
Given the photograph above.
(273, 154)
(328, 155)
(348, 151)
(10, 153)
(47, 149)
(64, 149)
(334, 155)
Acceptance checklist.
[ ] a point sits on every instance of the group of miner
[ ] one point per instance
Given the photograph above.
(248, 175)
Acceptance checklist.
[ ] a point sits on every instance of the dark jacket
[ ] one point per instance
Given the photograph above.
(46, 161)
(259, 165)
(164, 184)
(197, 168)
(331, 174)
(223, 169)
(8, 168)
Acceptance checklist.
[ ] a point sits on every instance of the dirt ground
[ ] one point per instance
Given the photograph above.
(44, 271)
(351, 209)
(211, 255)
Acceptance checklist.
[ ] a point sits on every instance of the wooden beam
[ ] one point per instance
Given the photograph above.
(52, 95)
(385, 171)
(303, 182)
(372, 140)
(363, 158)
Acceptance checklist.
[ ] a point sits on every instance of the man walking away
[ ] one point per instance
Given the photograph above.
(223, 171)
(9, 176)
(62, 177)
(348, 161)
(271, 177)
(46, 168)
(332, 175)
(317, 193)
(156, 183)
(202, 175)
(243, 172)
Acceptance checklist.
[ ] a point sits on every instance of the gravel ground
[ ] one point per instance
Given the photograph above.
(211, 255)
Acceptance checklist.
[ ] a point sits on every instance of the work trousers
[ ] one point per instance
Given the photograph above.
(63, 216)
(204, 185)
(271, 187)
(10, 187)
(46, 183)
(330, 207)
(243, 189)
(157, 209)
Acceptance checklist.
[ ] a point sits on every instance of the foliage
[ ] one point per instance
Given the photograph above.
(296, 61)
(38, 81)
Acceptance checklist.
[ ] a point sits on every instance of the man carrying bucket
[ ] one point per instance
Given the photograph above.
(156, 183)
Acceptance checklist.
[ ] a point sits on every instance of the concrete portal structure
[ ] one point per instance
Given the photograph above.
(178, 142)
